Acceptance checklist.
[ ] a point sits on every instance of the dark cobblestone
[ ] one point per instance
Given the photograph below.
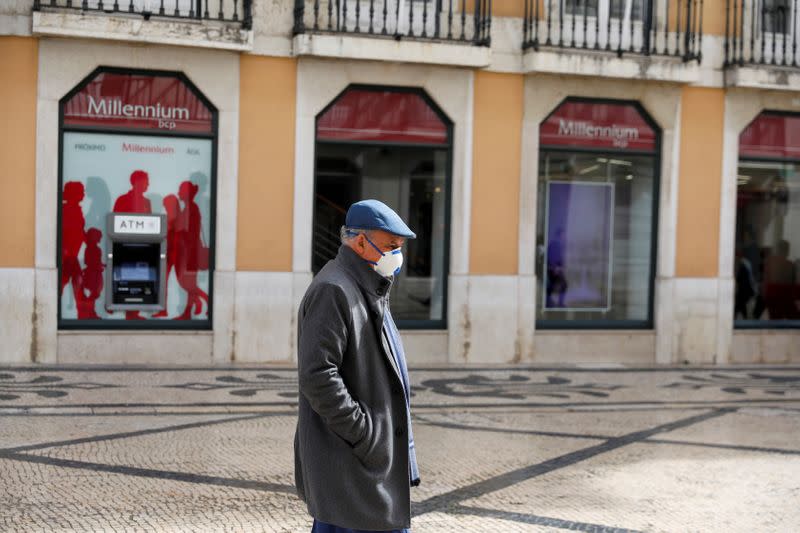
(501, 450)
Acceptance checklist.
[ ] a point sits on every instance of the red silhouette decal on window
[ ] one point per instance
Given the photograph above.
(172, 207)
(134, 201)
(92, 275)
(191, 255)
(72, 238)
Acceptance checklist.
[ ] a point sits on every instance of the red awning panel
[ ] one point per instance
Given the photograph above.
(771, 135)
(138, 101)
(381, 116)
(598, 125)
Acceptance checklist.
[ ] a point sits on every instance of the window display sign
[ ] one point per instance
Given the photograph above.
(578, 246)
(140, 101)
(382, 116)
(771, 135)
(598, 125)
(136, 166)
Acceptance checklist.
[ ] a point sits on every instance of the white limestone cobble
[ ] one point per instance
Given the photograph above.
(500, 450)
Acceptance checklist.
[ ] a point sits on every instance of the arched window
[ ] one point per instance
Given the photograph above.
(597, 214)
(767, 264)
(141, 144)
(394, 145)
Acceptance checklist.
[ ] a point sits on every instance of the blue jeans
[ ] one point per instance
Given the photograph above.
(322, 527)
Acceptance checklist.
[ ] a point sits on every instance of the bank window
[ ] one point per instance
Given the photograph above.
(136, 189)
(393, 145)
(597, 212)
(767, 252)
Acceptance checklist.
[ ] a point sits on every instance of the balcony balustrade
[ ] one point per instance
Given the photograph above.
(453, 21)
(640, 27)
(762, 32)
(235, 11)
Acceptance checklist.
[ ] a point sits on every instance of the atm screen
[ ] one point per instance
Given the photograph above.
(135, 274)
(135, 271)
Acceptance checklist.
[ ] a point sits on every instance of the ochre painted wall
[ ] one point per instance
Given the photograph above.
(497, 138)
(714, 17)
(19, 58)
(700, 182)
(267, 103)
(508, 8)
(500, 8)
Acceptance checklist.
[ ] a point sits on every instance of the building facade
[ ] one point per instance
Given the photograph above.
(591, 181)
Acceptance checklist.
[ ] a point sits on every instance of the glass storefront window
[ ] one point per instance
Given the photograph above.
(393, 146)
(596, 217)
(138, 144)
(767, 252)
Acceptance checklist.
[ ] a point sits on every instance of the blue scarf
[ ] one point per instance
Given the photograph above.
(400, 358)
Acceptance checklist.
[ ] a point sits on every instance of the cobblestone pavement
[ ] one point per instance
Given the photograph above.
(500, 449)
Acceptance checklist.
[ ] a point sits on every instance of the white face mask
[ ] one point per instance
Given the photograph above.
(390, 262)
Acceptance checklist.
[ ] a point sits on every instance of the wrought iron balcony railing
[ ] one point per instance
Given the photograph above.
(762, 32)
(431, 20)
(237, 11)
(642, 27)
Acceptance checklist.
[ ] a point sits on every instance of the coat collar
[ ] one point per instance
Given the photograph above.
(376, 292)
(375, 286)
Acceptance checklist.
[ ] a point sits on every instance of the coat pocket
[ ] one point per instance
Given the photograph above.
(373, 450)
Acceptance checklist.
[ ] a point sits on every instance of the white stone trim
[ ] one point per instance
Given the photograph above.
(461, 182)
(763, 77)
(264, 307)
(135, 347)
(19, 25)
(425, 347)
(528, 189)
(634, 347)
(62, 65)
(607, 64)
(770, 346)
(347, 46)
(741, 107)
(133, 28)
(450, 89)
(662, 102)
(664, 294)
(17, 287)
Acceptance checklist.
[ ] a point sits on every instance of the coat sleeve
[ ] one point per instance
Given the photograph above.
(321, 347)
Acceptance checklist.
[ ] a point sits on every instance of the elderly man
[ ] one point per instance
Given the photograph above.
(354, 450)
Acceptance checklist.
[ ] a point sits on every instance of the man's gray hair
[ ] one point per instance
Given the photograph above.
(347, 234)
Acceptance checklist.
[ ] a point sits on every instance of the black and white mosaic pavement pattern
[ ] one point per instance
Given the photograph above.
(501, 449)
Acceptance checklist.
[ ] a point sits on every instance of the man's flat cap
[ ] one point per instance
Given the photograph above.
(372, 214)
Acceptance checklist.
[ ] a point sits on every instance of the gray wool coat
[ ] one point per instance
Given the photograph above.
(351, 444)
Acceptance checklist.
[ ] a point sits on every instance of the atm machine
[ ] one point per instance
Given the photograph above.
(137, 260)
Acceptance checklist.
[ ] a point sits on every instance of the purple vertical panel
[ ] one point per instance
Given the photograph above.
(578, 246)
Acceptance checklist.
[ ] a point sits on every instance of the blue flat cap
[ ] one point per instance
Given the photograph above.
(372, 214)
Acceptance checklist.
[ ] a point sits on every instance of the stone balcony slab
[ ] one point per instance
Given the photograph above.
(607, 64)
(134, 28)
(389, 49)
(770, 77)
